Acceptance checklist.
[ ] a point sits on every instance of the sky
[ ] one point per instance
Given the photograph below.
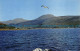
(31, 9)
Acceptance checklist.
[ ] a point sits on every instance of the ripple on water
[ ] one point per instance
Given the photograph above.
(28, 40)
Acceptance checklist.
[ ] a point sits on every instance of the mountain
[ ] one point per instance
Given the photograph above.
(63, 20)
(39, 20)
(15, 21)
(50, 19)
(47, 19)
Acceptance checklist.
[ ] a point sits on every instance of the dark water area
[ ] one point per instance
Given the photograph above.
(28, 40)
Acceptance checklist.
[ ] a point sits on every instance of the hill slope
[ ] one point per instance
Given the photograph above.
(47, 19)
(15, 21)
(39, 20)
(53, 20)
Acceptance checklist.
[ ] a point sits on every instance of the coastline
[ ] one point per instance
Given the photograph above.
(34, 29)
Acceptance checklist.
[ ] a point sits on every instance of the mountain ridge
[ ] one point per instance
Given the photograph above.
(50, 19)
(53, 20)
(14, 21)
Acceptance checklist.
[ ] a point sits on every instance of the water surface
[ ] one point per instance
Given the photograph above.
(28, 40)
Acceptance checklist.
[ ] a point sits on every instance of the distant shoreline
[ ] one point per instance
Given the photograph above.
(34, 29)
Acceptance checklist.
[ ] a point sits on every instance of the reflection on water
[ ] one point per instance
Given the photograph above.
(28, 40)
